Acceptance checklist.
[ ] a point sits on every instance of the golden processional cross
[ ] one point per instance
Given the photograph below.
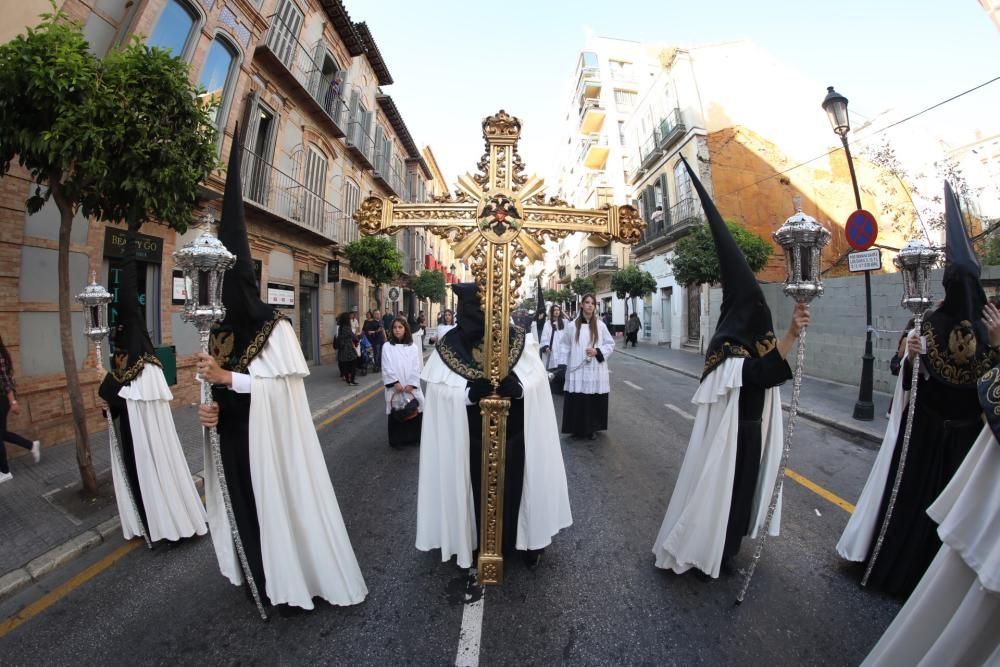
(497, 221)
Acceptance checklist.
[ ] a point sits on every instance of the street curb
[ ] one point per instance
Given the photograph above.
(866, 439)
(58, 556)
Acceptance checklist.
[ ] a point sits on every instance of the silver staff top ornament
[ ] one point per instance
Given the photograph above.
(204, 261)
(95, 299)
(802, 239)
(915, 262)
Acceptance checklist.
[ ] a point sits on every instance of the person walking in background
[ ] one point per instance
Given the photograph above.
(8, 404)
(446, 324)
(376, 336)
(609, 322)
(387, 323)
(401, 362)
(632, 330)
(585, 351)
(347, 353)
(551, 347)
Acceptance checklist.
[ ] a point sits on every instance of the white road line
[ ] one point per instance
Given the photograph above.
(682, 413)
(472, 631)
(633, 385)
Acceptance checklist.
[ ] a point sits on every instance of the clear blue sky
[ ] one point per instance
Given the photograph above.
(445, 56)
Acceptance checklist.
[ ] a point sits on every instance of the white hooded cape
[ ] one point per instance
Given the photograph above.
(693, 533)
(173, 508)
(304, 543)
(856, 540)
(953, 615)
(445, 507)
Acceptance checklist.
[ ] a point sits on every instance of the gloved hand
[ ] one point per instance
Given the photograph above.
(478, 389)
(510, 387)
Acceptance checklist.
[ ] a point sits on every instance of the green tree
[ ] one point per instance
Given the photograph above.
(430, 285)
(124, 138)
(695, 260)
(581, 286)
(632, 283)
(376, 258)
(550, 294)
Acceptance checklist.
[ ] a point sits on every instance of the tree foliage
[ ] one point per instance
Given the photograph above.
(430, 285)
(374, 257)
(123, 138)
(695, 261)
(581, 286)
(632, 283)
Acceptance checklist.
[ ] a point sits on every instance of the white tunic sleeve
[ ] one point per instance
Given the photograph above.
(241, 383)
(605, 341)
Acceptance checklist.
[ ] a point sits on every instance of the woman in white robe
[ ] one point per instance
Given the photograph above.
(551, 341)
(401, 379)
(447, 324)
(585, 348)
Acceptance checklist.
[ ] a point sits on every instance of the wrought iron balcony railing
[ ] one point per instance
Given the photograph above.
(271, 190)
(678, 220)
(311, 68)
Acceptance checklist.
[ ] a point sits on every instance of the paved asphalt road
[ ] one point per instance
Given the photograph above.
(596, 597)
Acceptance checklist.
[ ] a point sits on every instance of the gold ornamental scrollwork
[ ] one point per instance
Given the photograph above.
(497, 221)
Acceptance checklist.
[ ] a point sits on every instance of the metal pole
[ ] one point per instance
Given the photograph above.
(864, 408)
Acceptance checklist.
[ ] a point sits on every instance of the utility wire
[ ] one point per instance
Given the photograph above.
(873, 134)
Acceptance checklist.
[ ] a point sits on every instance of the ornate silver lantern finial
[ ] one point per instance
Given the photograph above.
(803, 240)
(204, 261)
(915, 262)
(95, 299)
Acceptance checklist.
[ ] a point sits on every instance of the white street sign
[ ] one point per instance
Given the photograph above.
(867, 260)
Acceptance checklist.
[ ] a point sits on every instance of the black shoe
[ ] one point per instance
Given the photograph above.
(702, 577)
(532, 557)
(592, 436)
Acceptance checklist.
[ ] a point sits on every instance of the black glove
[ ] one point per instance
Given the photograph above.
(478, 389)
(510, 387)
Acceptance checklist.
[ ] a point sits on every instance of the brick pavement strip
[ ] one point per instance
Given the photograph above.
(21, 577)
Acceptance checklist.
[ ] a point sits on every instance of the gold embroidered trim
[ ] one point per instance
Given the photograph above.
(725, 352)
(766, 344)
(958, 365)
(990, 391)
(474, 370)
(124, 375)
(257, 344)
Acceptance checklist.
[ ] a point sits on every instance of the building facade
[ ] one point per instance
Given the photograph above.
(303, 82)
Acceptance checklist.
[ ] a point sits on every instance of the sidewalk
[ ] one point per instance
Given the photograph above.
(822, 401)
(44, 521)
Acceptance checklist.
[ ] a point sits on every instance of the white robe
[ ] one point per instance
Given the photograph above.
(856, 540)
(304, 544)
(401, 363)
(693, 533)
(445, 506)
(953, 615)
(173, 508)
(583, 377)
(553, 339)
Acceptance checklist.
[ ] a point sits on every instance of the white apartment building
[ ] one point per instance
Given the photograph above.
(610, 77)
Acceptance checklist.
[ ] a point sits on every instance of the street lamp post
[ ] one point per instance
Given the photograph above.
(835, 106)
(576, 297)
(451, 270)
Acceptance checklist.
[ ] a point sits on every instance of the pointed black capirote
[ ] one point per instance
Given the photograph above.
(131, 334)
(744, 316)
(957, 341)
(469, 317)
(246, 314)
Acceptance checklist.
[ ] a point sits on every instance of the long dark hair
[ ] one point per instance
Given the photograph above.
(593, 319)
(7, 360)
(344, 319)
(407, 336)
(557, 323)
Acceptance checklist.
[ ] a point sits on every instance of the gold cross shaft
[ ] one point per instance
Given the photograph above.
(497, 221)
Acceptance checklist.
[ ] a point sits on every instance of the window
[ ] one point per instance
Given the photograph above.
(217, 79)
(352, 200)
(588, 59)
(621, 132)
(622, 70)
(261, 126)
(315, 190)
(682, 180)
(624, 99)
(175, 29)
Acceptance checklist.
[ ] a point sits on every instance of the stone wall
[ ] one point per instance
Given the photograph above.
(836, 338)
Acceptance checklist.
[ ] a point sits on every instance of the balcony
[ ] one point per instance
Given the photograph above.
(594, 151)
(310, 71)
(359, 141)
(671, 129)
(564, 276)
(388, 174)
(271, 191)
(592, 116)
(681, 218)
(633, 169)
(649, 149)
(588, 83)
(598, 264)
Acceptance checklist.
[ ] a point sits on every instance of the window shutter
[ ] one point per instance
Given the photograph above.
(666, 199)
(316, 75)
(380, 165)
